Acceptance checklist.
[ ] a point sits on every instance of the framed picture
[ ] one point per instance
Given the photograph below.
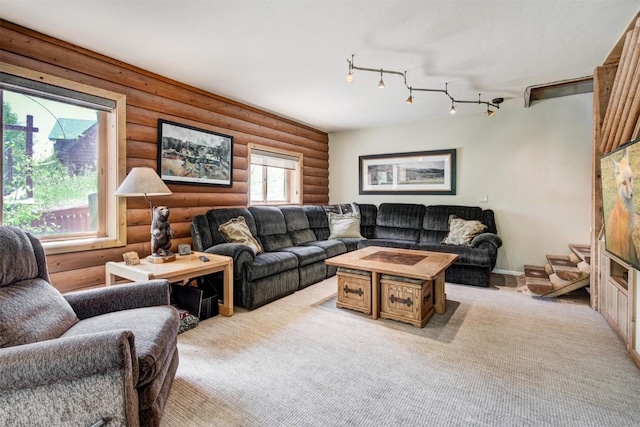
(422, 172)
(619, 203)
(188, 155)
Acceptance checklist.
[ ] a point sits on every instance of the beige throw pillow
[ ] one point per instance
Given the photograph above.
(462, 232)
(344, 226)
(236, 231)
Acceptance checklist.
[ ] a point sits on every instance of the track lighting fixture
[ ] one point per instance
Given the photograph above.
(495, 102)
(410, 98)
(381, 83)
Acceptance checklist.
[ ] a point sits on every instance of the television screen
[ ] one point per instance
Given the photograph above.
(620, 202)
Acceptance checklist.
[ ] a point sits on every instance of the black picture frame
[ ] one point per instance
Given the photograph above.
(419, 172)
(188, 155)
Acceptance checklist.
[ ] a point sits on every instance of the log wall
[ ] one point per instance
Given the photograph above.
(616, 120)
(151, 97)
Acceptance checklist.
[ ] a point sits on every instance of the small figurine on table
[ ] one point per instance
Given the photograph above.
(161, 234)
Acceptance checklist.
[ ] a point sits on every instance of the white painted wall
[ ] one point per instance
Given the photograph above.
(533, 163)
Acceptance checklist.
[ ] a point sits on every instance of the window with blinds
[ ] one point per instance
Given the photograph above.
(58, 140)
(275, 176)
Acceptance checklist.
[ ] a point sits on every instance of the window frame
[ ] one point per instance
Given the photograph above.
(111, 170)
(293, 190)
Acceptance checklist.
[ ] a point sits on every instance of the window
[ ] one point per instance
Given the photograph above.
(275, 176)
(63, 157)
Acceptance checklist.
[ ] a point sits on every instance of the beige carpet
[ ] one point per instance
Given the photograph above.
(496, 358)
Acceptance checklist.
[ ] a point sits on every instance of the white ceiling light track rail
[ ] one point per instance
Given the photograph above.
(495, 103)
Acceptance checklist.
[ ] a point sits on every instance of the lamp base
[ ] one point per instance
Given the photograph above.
(159, 259)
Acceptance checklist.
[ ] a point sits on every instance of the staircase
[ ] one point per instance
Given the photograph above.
(562, 274)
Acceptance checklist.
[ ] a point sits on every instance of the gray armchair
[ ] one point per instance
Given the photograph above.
(108, 354)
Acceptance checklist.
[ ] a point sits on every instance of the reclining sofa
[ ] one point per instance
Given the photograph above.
(295, 242)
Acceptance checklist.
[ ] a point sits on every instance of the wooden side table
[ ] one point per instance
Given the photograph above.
(183, 269)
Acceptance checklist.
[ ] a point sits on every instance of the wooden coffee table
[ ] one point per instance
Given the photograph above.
(398, 262)
(183, 269)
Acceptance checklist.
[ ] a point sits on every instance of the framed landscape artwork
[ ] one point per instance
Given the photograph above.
(619, 203)
(422, 172)
(188, 155)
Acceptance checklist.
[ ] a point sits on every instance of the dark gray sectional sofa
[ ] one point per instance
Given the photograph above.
(295, 240)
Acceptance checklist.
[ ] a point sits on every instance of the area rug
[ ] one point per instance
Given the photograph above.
(497, 358)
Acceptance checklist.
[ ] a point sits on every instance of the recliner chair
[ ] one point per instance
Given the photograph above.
(105, 356)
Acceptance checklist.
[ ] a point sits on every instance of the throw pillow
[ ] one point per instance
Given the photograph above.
(236, 230)
(462, 232)
(344, 226)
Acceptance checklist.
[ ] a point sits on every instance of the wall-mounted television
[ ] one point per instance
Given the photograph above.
(621, 201)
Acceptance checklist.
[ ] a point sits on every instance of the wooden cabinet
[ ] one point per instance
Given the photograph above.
(617, 295)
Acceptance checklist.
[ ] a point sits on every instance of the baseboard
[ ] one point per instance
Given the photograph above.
(507, 272)
(635, 357)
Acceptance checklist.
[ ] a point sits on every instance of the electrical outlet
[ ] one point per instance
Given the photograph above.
(484, 199)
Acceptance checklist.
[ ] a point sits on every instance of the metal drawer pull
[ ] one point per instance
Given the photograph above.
(358, 291)
(407, 301)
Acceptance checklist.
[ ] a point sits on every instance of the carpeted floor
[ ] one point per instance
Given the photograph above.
(496, 358)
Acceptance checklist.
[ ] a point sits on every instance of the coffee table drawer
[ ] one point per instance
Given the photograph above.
(406, 300)
(354, 290)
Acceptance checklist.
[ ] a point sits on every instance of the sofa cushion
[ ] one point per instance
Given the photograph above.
(271, 228)
(217, 217)
(307, 254)
(32, 311)
(236, 231)
(297, 225)
(155, 330)
(330, 247)
(462, 232)
(466, 255)
(318, 221)
(351, 244)
(436, 220)
(344, 226)
(368, 217)
(270, 263)
(386, 243)
(399, 221)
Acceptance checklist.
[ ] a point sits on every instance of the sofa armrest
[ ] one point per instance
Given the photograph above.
(76, 380)
(240, 253)
(484, 239)
(95, 302)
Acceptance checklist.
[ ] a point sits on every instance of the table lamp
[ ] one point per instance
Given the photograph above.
(144, 182)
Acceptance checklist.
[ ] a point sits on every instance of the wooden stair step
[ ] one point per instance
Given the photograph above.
(565, 267)
(561, 287)
(582, 251)
(537, 280)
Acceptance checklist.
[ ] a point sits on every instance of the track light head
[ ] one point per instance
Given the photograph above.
(410, 98)
(453, 109)
(349, 77)
(490, 112)
(381, 83)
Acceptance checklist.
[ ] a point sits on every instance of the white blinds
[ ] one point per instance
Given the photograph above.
(275, 160)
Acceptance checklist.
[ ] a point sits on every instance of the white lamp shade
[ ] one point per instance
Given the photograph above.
(142, 182)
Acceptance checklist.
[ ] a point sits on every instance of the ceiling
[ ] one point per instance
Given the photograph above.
(290, 57)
